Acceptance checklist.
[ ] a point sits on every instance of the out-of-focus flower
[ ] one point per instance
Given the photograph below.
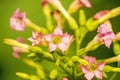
(76, 4)
(52, 2)
(93, 68)
(64, 78)
(105, 34)
(57, 17)
(100, 14)
(37, 38)
(58, 40)
(18, 50)
(18, 20)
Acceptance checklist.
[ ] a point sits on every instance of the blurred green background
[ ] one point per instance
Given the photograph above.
(9, 65)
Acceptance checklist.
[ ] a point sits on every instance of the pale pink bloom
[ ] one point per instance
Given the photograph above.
(93, 68)
(18, 50)
(58, 40)
(18, 20)
(85, 3)
(37, 38)
(105, 34)
(64, 78)
(100, 14)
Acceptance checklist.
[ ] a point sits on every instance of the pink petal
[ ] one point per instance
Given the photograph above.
(86, 3)
(16, 55)
(98, 74)
(64, 78)
(103, 28)
(90, 59)
(48, 37)
(62, 46)
(107, 42)
(101, 65)
(84, 69)
(52, 47)
(89, 75)
(58, 31)
(100, 14)
(14, 21)
(65, 38)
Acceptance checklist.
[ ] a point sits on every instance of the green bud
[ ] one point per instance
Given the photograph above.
(80, 61)
(104, 75)
(13, 42)
(82, 17)
(116, 47)
(41, 73)
(53, 74)
(72, 23)
(31, 55)
(23, 75)
(91, 24)
(33, 77)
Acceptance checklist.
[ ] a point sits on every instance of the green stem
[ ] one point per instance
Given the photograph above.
(113, 59)
(35, 27)
(113, 76)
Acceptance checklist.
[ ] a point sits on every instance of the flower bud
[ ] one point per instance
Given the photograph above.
(82, 17)
(53, 74)
(23, 75)
(116, 48)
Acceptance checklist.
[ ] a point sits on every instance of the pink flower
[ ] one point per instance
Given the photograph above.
(58, 40)
(18, 50)
(18, 20)
(37, 38)
(100, 14)
(77, 4)
(85, 3)
(93, 68)
(64, 78)
(105, 34)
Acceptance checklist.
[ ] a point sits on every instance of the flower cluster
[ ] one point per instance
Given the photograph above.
(63, 47)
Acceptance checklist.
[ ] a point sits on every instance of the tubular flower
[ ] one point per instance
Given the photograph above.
(76, 4)
(105, 35)
(37, 38)
(18, 50)
(93, 68)
(100, 14)
(58, 40)
(18, 21)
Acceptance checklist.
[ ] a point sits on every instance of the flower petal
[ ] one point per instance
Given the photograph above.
(58, 31)
(62, 46)
(48, 37)
(100, 14)
(84, 69)
(89, 75)
(101, 65)
(52, 47)
(86, 3)
(98, 74)
(103, 28)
